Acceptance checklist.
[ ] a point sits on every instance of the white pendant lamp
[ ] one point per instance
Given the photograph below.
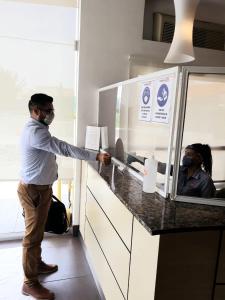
(181, 49)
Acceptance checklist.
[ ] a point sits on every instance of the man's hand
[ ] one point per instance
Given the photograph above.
(105, 158)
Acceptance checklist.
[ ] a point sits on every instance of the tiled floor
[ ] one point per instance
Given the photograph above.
(73, 281)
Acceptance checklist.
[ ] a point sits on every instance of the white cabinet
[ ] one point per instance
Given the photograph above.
(118, 214)
(104, 274)
(131, 264)
(83, 197)
(112, 246)
(106, 228)
(109, 229)
(143, 269)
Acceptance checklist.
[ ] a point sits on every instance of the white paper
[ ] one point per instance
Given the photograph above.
(162, 99)
(145, 102)
(92, 140)
(104, 138)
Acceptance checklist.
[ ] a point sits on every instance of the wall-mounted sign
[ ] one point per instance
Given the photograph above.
(162, 99)
(145, 102)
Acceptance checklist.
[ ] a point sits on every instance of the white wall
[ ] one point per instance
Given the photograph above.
(110, 32)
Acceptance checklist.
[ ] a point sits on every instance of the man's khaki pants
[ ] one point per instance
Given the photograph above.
(35, 200)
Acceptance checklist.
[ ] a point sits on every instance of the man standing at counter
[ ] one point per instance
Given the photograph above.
(38, 173)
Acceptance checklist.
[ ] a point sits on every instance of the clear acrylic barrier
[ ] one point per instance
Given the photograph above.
(201, 120)
(143, 124)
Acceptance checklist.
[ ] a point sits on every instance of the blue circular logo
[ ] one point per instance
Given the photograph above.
(163, 94)
(146, 95)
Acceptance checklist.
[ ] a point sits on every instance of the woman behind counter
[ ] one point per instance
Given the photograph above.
(194, 177)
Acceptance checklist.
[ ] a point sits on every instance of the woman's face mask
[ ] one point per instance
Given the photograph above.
(191, 158)
(187, 161)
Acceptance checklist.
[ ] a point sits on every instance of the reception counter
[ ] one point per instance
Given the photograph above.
(142, 246)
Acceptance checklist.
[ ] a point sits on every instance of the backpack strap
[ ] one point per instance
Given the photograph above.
(54, 197)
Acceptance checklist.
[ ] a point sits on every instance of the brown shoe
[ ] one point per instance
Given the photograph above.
(46, 269)
(37, 291)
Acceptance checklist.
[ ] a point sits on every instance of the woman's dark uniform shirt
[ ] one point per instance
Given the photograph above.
(200, 184)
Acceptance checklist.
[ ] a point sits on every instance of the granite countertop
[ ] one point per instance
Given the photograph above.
(157, 214)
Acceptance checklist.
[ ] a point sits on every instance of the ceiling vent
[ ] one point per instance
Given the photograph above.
(205, 34)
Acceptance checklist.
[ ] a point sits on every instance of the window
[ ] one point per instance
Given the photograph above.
(37, 55)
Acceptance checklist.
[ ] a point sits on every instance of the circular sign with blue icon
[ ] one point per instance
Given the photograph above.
(146, 95)
(163, 95)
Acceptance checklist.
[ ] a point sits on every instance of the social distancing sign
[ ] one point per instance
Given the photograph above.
(145, 102)
(155, 99)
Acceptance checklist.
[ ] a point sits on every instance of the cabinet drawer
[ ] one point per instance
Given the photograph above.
(143, 269)
(221, 267)
(219, 292)
(103, 272)
(83, 197)
(118, 214)
(112, 246)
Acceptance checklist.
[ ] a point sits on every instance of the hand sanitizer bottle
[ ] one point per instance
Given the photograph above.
(150, 173)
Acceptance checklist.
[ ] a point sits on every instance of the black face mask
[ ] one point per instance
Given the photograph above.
(187, 161)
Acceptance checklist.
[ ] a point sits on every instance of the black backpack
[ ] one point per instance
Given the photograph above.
(57, 221)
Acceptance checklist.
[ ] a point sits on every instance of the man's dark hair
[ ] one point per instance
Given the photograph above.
(38, 101)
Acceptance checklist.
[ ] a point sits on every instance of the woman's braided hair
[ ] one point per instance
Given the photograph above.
(205, 151)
